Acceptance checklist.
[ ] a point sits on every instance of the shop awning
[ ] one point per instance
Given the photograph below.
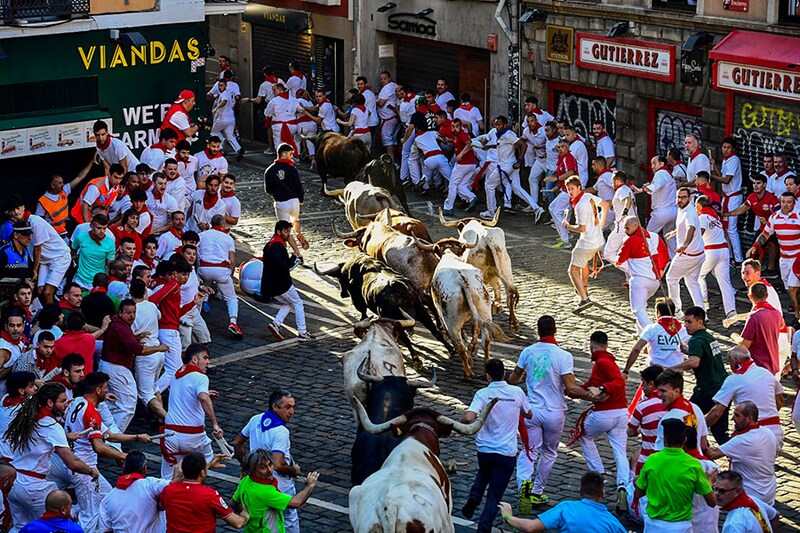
(758, 63)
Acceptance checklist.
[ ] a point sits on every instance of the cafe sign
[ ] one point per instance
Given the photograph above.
(640, 59)
(759, 80)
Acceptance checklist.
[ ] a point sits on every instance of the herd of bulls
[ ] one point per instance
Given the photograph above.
(403, 277)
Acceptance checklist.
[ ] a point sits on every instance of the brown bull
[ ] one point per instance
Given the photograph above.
(401, 222)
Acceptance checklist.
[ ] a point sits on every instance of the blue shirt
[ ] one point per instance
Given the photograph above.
(583, 516)
(50, 525)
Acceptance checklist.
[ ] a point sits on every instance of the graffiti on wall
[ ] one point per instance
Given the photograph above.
(581, 110)
(513, 83)
(762, 128)
(672, 128)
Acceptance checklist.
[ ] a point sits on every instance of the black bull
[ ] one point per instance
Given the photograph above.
(382, 173)
(338, 156)
(372, 286)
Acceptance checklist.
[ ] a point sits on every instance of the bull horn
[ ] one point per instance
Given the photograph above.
(348, 235)
(424, 245)
(492, 223)
(363, 376)
(308, 138)
(407, 322)
(362, 324)
(423, 383)
(385, 159)
(389, 217)
(376, 429)
(469, 246)
(335, 192)
(367, 217)
(471, 428)
(329, 272)
(446, 223)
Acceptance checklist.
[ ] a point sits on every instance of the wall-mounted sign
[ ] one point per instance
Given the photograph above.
(692, 64)
(757, 80)
(278, 18)
(736, 5)
(559, 44)
(411, 23)
(385, 51)
(491, 42)
(48, 139)
(641, 59)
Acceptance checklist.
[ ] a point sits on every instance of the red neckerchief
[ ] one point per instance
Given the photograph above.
(285, 161)
(6, 337)
(742, 501)
(710, 212)
(785, 171)
(683, 404)
(467, 106)
(127, 480)
(64, 304)
(696, 454)
(261, 481)
(726, 158)
(177, 233)
(742, 367)
(434, 108)
(10, 402)
(550, 339)
(186, 370)
(49, 515)
(158, 196)
(146, 184)
(218, 228)
(602, 354)
(151, 263)
(670, 324)
(114, 278)
(160, 147)
(277, 238)
(363, 108)
(574, 201)
(653, 394)
(706, 189)
(745, 430)
(284, 95)
(103, 290)
(60, 378)
(409, 97)
(44, 412)
(298, 74)
(212, 156)
(209, 201)
(366, 88)
(536, 129)
(695, 154)
(324, 101)
(604, 134)
(106, 144)
(98, 240)
(228, 194)
(271, 79)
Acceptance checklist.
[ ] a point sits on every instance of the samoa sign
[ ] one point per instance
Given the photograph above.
(411, 23)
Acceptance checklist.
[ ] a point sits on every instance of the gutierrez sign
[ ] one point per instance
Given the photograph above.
(757, 80)
(641, 59)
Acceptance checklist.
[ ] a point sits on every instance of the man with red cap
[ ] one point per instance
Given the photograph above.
(177, 117)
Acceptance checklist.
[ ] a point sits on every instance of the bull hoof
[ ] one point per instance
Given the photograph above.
(514, 326)
(469, 374)
(496, 308)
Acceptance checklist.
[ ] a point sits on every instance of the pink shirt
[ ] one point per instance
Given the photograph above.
(762, 329)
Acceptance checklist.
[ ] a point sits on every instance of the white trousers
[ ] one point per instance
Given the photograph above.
(89, 495)
(226, 131)
(388, 129)
(663, 220)
(290, 300)
(366, 137)
(172, 359)
(640, 290)
(290, 520)
(687, 268)
(146, 369)
(614, 243)
(544, 433)
(718, 262)
(410, 168)
(276, 133)
(558, 209)
(516, 186)
(651, 525)
(613, 424)
(288, 210)
(538, 171)
(732, 225)
(435, 167)
(493, 180)
(179, 445)
(26, 499)
(193, 328)
(123, 386)
(787, 273)
(308, 129)
(224, 280)
(110, 422)
(460, 180)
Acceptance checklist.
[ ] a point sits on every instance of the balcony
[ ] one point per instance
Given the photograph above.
(27, 11)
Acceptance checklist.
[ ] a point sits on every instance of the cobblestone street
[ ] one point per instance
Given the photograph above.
(323, 428)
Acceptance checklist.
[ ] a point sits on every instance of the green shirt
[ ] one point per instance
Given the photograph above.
(93, 256)
(264, 503)
(711, 372)
(670, 478)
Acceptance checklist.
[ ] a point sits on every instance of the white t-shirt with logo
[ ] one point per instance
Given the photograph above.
(544, 363)
(662, 348)
(695, 419)
(272, 439)
(587, 214)
(742, 519)
(499, 432)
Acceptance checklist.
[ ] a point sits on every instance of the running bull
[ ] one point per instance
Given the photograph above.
(338, 156)
(361, 200)
(411, 492)
(401, 222)
(371, 285)
(491, 257)
(382, 173)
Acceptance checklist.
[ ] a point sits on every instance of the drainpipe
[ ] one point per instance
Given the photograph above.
(514, 36)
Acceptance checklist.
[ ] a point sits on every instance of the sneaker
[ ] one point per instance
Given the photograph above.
(525, 506)
(234, 330)
(539, 215)
(297, 262)
(469, 508)
(559, 244)
(486, 215)
(448, 213)
(306, 337)
(622, 501)
(583, 304)
(731, 314)
(275, 329)
(240, 154)
(269, 151)
(509, 211)
(679, 315)
(528, 209)
(539, 499)
(471, 205)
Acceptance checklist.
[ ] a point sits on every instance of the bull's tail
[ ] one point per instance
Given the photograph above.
(423, 315)
(489, 330)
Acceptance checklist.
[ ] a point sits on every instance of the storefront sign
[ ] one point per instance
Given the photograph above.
(48, 139)
(385, 51)
(559, 44)
(411, 23)
(757, 80)
(736, 5)
(106, 56)
(277, 18)
(640, 59)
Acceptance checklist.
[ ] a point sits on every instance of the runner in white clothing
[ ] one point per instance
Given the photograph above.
(297, 80)
(746, 513)
(590, 215)
(358, 122)
(187, 168)
(578, 150)
(730, 176)
(548, 373)
(160, 204)
(605, 144)
(623, 204)
(670, 389)
(470, 115)
(697, 159)
(369, 101)
(281, 113)
(508, 165)
(224, 117)
(387, 113)
(326, 115)
(176, 185)
(689, 255)
(211, 162)
(112, 150)
(662, 193)
(604, 187)
(443, 95)
(717, 256)
(147, 367)
(664, 339)
(535, 154)
(217, 254)
(435, 167)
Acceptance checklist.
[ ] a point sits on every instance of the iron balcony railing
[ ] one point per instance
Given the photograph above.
(20, 11)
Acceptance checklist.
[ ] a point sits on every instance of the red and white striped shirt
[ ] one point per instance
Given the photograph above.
(645, 418)
(787, 229)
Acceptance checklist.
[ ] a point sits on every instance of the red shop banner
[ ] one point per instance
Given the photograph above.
(629, 57)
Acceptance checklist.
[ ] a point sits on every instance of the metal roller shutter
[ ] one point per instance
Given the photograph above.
(581, 110)
(421, 65)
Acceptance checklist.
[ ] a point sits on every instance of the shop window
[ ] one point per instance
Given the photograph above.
(790, 11)
(678, 5)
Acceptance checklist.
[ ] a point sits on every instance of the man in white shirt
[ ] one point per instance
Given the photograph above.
(578, 150)
(112, 150)
(663, 339)
(623, 203)
(697, 159)
(443, 95)
(217, 254)
(297, 80)
(750, 382)
(147, 367)
(189, 403)
(233, 207)
(532, 106)
(730, 176)
(155, 154)
(470, 115)
(387, 113)
(535, 155)
(224, 124)
(211, 161)
(752, 451)
(204, 205)
(589, 218)
(777, 182)
(281, 112)
(496, 441)
(605, 144)
(746, 514)
(51, 257)
(265, 94)
(603, 187)
(160, 204)
(717, 256)
(369, 102)
(508, 165)
(187, 167)
(176, 186)
(689, 255)
(670, 390)
(326, 115)
(548, 373)
(435, 166)
(662, 193)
